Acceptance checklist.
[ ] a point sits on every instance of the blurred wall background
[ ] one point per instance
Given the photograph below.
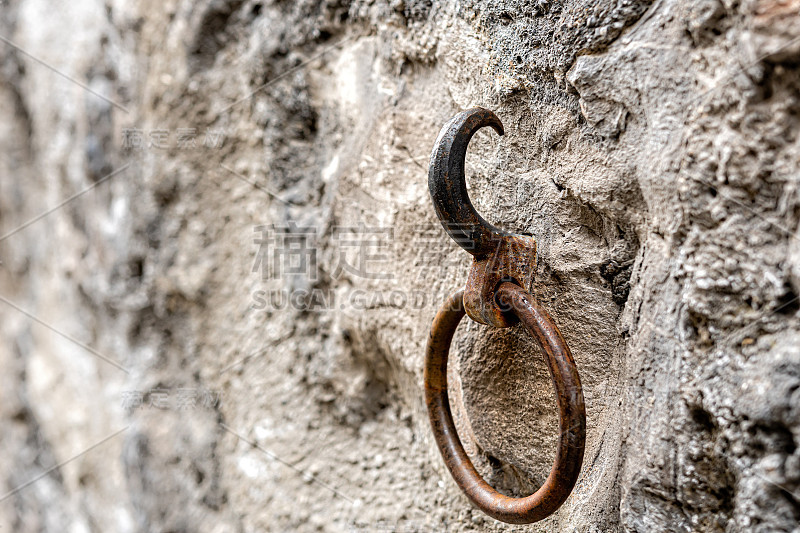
(219, 261)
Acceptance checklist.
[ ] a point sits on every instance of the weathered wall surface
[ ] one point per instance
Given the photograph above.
(651, 148)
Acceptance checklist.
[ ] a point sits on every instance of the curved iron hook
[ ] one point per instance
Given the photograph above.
(502, 268)
(448, 186)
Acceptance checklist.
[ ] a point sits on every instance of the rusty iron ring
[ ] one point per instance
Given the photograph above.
(502, 266)
(572, 412)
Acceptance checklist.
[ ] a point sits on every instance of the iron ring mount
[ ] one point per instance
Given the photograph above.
(495, 295)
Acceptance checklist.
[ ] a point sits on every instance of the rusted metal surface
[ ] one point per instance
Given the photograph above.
(497, 255)
(448, 186)
(502, 267)
(571, 410)
(513, 259)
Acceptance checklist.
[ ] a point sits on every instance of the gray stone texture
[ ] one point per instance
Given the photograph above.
(651, 148)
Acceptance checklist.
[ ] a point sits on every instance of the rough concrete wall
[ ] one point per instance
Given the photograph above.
(651, 148)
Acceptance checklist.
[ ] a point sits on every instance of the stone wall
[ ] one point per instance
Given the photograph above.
(160, 160)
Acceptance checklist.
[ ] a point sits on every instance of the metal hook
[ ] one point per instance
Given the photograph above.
(498, 255)
(448, 185)
(502, 268)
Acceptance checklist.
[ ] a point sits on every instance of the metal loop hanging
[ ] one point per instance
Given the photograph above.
(495, 295)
